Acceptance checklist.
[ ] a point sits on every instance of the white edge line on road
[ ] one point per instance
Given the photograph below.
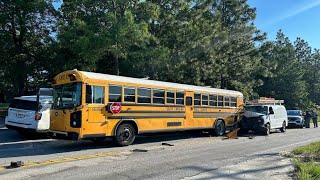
(261, 152)
(27, 141)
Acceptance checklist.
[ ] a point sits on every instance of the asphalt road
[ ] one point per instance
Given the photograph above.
(192, 156)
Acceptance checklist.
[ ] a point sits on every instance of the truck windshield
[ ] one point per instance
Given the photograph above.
(67, 96)
(257, 109)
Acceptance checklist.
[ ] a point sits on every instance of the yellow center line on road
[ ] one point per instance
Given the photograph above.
(54, 161)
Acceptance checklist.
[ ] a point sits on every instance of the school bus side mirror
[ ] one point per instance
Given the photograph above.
(108, 108)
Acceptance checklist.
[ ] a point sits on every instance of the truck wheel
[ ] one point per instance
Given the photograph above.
(267, 131)
(283, 129)
(125, 135)
(219, 128)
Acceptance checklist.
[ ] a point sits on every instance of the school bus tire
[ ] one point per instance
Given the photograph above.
(219, 127)
(125, 134)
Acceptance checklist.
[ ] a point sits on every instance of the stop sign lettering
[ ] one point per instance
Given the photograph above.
(115, 108)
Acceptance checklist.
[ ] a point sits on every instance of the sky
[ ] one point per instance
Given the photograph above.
(296, 18)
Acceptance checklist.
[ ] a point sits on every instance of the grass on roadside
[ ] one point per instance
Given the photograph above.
(307, 161)
(312, 149)
(307, 170)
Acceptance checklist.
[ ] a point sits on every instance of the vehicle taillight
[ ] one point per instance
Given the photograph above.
(37, 116)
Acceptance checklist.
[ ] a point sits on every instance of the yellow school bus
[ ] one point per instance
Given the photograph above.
(93, 106)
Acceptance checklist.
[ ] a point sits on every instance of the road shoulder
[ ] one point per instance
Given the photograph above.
(271, 166)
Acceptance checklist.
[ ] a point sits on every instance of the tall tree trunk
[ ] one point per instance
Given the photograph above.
(21, 76)
(221, 82)
(117, 65)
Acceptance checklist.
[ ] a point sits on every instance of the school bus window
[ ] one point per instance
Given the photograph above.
(158, 96)
(144, 95)
(98, 94)
(220, 101)
(213, 100)
(196, 99)
(94, 94)
(180, 98)
(233, 102)
(188, 101)
(88, 94)
(205, 100)
(115, 93)
(129, 94)
(226, 101)
(170, 97)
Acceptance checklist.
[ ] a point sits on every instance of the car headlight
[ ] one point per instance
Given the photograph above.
(261, 120)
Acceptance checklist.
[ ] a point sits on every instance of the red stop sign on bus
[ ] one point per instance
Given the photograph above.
(115, 108)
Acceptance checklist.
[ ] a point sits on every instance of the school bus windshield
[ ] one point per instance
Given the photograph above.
(67, 96)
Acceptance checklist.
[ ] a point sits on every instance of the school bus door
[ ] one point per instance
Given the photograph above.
(188, 119)
(96, 113)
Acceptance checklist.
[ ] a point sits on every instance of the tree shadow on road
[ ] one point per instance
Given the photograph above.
(238, 172)
(13, 145)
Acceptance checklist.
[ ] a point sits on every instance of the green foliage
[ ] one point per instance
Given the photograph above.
(306, 164)
(108, 32)
(26, 29)
(4, 105)
(207, 43)
(286, 81)
(307, 170)
(312, 149)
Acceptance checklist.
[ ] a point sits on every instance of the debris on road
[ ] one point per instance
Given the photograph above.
(139, 150)
(233, 134)
(16, 164)
(167, 144)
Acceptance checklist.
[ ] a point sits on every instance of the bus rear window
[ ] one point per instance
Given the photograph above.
(23, 104)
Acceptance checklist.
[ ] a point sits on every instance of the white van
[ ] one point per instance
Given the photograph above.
(263, 118)
(29, 114)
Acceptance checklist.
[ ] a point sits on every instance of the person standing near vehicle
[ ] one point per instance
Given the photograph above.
(307, 118)
(314, 119)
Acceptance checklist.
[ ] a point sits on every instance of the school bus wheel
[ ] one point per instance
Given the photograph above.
(219, 127)
(125, 134)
